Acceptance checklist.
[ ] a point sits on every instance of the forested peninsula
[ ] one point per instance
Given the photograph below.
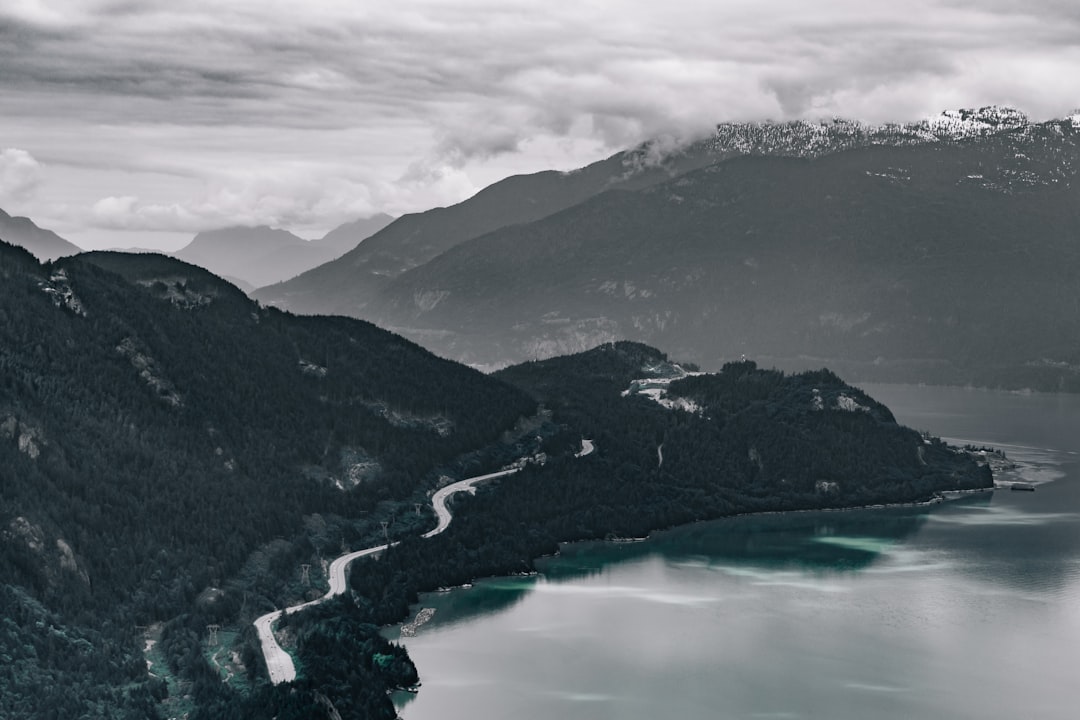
(177, 460)
(739, 441)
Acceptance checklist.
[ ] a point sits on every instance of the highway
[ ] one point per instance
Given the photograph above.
(279, 664)
(438, 500)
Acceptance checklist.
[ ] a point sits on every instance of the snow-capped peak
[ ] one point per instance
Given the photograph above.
(984, 121)
(804, 138)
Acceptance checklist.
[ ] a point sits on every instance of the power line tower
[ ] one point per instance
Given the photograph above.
(385, 530)
(417, 506)
(213, 630)
(305, 574)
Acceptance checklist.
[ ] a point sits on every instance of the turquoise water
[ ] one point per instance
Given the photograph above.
(969, 609)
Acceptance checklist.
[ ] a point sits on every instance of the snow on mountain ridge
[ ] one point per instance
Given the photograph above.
(958, 124)
(806, 138)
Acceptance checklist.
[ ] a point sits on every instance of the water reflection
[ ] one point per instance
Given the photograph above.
(989, 536)
(810, 541)
(970, 608)
(777, 549)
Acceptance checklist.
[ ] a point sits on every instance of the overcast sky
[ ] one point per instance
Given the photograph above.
(141, 122)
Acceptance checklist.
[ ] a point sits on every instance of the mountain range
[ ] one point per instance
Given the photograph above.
(940, 251)
(257, 256)
(44, 244)
(249, 257)
(347, 284)
(177, 458)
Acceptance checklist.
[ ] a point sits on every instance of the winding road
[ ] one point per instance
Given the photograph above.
(279, 664)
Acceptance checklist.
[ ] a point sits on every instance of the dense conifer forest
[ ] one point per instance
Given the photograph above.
(758, 441)
(172, 454)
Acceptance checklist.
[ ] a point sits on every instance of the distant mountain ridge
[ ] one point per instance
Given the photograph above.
(803, 138)
(880, 250)
(248, 256)
(263, 255)
(43, 244)
(347, 285)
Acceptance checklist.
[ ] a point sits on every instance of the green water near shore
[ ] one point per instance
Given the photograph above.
(969, 609)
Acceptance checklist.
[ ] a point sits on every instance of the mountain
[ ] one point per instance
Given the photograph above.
(743, 439)
(802, 138)
(44, 244)
(176, 460)
(257, 256)
(170, 452)
(254, 255)
(345, 237)
(937, 260)
(347, 284)
(670, 446)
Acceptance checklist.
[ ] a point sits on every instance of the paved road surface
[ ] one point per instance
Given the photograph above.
(279, 664)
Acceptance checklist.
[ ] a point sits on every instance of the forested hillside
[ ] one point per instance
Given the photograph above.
(169, 449)
(679, 447)
(743, 440)
(176, 460)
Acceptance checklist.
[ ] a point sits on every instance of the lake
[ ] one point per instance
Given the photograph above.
(966, 609)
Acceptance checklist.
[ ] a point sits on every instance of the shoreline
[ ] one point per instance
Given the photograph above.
(938, 499)
(279, 662)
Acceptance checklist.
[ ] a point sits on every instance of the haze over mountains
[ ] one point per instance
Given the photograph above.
(247, 256)
(259, 256)
(940, 251)
(937, 251)
(43, 244)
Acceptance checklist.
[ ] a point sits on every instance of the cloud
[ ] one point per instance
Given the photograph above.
(422, 101)
(20, 174)
(297, 198)
(245, 200)
(487, 75)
